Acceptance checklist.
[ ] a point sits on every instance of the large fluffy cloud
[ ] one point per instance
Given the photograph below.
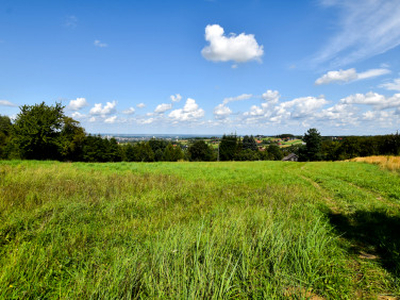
(108, 109)
(301, 107)
(191, 111)
(349, 75)
(238, 48)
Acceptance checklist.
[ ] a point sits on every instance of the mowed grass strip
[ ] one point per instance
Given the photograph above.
(196, 230)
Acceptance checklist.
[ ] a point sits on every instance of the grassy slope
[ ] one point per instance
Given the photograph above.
(198, 230)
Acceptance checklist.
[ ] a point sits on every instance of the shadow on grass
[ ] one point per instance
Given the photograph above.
(373, 235)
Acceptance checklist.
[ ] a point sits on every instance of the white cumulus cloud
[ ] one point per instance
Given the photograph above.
(108, 109)
(221, 111)
(141, 105)
(301, 107)
(255, 111)
(238, 48)
(77, 104)
(111, 120)
(176, 98)
(378, 101)
(162, 108)
(77, 115)
(129, 111)
(267, 108)
(271, 96)
(191, 111)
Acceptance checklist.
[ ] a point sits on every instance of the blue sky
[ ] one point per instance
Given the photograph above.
(206, 66)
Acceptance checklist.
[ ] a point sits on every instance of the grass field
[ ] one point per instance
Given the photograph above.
(199, 230)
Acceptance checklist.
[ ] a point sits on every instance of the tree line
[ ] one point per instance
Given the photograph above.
(44, 132)
(319, 148)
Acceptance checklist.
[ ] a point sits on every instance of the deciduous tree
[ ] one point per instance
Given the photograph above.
(43, 132)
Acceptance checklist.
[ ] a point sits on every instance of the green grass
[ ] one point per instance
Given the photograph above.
(198, 230)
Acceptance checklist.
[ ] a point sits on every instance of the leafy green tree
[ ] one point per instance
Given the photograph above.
(391, 144)
(94, 149)
(329, 150)
(200, 151)
(158, 155)
(5, 136)
(177, 153)
(228, 147)
(127, 152)
(157, 144)
(72, 138)
(114, 152)
(169, 153)
(43, 132)
(274, 152)
(349, 148)
(143, 152)
(313, 141)
(247, 155)
(249, 143)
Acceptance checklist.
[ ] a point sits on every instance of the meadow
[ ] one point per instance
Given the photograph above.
(215, 230)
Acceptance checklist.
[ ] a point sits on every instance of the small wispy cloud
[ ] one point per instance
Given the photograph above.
(349, 75)
(237, 98)
(71, 22)
(392, 86)
(129, 111)
(7, 103)
(176, 98)
(99, 44)
(364, 30)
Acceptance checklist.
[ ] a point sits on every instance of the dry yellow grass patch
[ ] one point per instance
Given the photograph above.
(387, 162)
